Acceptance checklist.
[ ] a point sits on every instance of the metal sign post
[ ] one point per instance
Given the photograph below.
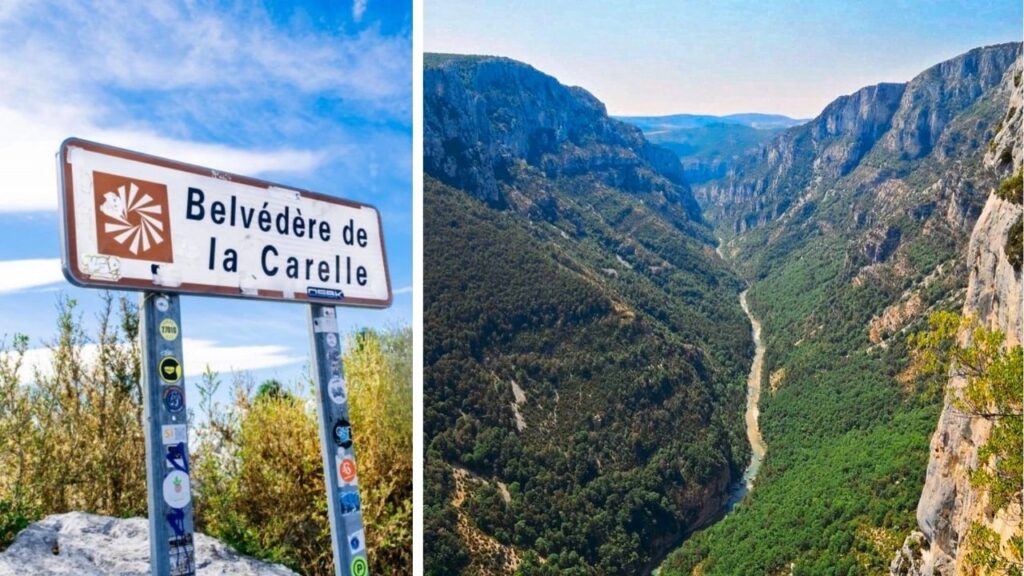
(171, 548)
(336, 443)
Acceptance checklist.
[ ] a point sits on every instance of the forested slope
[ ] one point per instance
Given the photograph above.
(584, 348)
(852, 229)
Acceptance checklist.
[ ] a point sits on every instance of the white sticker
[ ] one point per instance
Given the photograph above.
(162, 304)
(326, 323)
(177, 490)
(336, 390)
(332, 339)
(174, 434)
(357, 543)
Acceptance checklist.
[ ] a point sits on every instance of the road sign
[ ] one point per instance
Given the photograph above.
(138, 222)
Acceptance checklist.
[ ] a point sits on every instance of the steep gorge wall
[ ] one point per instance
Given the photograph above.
(949, 503)
(880, 131)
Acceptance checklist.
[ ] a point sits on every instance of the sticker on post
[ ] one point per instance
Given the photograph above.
(357, 543)
(169, 329)
(336, 390)
(332, 339)
(170, 369)
(342, 433)
(174, 399)
(174, 434)
(177, 490)
(360, 567)
(163, 304)
(182, 553)
(326, 323)
(347, 472)
(349, 501)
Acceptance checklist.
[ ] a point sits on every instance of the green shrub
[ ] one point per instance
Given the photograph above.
(72, 439)
(260, 472)
(1012, 188)
(1014, 247)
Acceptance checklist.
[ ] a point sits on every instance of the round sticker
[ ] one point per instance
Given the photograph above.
(342, 433)
(162, 304)
(347, 470)
(174, 399)
(177, 490)
(170, 369)
(169, 329)
(332, 340)
(360, 567)
(336, 390)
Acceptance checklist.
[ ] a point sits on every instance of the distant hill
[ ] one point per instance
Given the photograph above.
(653, 124)
(707, 145)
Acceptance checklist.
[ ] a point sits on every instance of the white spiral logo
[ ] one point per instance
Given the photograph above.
(119, 205)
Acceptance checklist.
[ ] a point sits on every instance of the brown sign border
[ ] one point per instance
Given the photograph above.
(69, 256)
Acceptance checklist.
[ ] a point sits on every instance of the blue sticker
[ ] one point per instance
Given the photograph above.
(350, 502)
(174, 399)
(328, 293)
(342, 433)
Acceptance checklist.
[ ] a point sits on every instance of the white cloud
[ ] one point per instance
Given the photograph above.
(202, 353)
(404, 290)
(28, 162)
(198, 354)
(17, 275)
(148, 77)
(358, 9)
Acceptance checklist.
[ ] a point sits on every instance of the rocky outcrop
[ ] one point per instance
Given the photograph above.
(937, 95)
(949, 503)
(849, 127)
(894, 318)
(90, 545)
(484, 115)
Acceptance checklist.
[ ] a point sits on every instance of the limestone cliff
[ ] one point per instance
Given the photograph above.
(887, 132)
(949, 504)
(484, 115)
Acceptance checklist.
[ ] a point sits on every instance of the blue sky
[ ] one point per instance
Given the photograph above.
(315, 95)
(721, 56)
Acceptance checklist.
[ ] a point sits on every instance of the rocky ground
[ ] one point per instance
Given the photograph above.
(82, 544)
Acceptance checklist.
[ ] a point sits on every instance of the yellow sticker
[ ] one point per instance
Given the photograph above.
(169, 329)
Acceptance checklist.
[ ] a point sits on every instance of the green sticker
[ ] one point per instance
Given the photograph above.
(360, 567)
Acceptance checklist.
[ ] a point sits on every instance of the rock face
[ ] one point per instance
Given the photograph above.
(949, 504)
(483, 115)
(876, 135)
(88, 545)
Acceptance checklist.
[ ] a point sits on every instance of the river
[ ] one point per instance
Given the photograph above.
(757, 446)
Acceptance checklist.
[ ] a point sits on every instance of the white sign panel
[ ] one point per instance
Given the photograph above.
(138, 222)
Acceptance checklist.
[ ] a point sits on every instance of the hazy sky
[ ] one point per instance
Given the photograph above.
(719, 57)
(312, 94)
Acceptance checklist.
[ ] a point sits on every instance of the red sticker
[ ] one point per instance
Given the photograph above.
(347, 470)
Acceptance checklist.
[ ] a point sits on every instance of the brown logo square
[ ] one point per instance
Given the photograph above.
(132, 218)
